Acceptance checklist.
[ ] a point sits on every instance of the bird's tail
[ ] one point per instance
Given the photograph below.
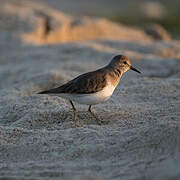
(43, 92)
(50, 91)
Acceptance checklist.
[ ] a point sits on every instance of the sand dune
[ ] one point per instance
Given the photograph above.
(50, 26)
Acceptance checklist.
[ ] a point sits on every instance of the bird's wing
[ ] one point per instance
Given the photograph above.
(90, 82)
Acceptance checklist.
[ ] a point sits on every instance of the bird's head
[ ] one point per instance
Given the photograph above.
(122, 63)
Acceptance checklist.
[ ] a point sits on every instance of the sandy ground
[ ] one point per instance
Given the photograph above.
(38, 140)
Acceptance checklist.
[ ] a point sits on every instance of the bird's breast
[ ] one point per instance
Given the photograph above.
(107, 91)
(97, 97)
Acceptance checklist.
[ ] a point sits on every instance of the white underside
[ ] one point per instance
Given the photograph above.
(90, 99)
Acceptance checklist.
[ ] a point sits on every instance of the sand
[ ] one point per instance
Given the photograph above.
(38, 140)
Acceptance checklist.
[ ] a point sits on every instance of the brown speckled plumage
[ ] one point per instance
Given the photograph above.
(90, 82)
(94, 81)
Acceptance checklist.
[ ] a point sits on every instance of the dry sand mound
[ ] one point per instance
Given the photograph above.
(37, 136)
(51, 26)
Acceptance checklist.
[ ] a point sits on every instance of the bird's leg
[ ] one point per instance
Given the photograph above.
(96, 118)
(74, 111)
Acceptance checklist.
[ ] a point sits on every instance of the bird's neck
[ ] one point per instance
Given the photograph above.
(114, 75)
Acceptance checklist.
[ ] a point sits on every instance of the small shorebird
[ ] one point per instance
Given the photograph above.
(94, 87)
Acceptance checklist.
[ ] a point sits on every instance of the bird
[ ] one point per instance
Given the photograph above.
(93, 87)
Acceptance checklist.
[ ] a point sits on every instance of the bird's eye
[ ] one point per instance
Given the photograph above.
(125, 62)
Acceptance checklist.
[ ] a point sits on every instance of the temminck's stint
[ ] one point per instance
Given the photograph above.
(94, 87)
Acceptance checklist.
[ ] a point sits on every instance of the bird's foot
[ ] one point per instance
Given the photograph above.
(100, 122)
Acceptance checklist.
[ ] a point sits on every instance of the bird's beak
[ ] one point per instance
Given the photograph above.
(132, 68)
